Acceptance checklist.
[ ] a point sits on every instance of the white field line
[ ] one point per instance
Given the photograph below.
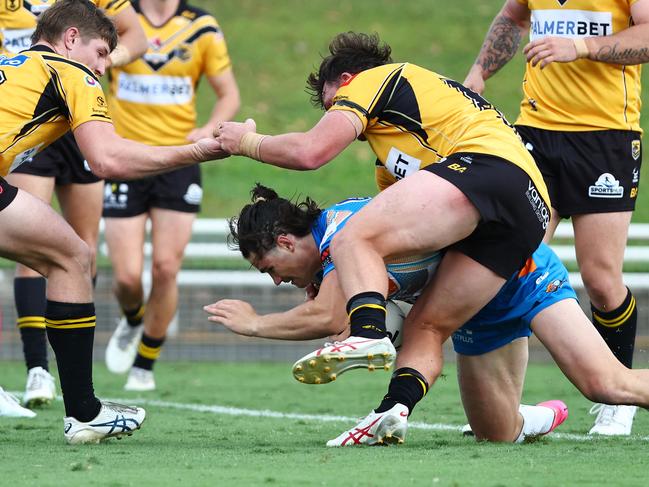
(325, 418)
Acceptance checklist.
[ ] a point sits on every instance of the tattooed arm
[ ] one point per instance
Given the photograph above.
(629, 46)
(500, 44)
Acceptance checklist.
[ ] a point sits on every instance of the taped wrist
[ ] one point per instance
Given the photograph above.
(250, 144)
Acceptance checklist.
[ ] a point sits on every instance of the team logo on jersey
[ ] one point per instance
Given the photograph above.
(562, 2)
(606, 186)
(13, 5)
(555, 285)
(635, 149)
(325, 259)
(90, 81)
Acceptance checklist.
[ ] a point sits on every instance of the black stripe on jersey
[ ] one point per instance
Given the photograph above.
(355, 106)
(200, 32)
(398, 107)
(47, 109)
(116, 4)
(82, 67)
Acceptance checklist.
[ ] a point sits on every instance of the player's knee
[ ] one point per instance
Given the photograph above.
(126, 282)
(601, 283)
(165, 270)
(76, 257)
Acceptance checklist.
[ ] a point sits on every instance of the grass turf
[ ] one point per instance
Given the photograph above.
(190, 447)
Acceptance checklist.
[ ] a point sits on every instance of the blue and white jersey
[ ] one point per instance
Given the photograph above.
(407, 277)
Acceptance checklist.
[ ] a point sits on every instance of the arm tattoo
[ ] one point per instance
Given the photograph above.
(499, 46)
(612, 54)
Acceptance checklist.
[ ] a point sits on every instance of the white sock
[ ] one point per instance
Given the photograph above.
(537, 420)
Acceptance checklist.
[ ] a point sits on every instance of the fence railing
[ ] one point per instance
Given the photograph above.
(209, 242)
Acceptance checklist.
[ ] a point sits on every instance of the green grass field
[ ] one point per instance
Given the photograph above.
(260, 427)
(274, 45)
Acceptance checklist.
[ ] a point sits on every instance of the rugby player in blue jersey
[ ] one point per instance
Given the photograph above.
(291, 241)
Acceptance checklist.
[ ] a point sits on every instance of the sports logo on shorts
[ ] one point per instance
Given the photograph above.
(635, 149)
(538, 205)
(606, 186)
(555, 285)
(13, 5)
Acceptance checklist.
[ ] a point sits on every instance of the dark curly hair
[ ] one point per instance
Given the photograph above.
(350, 52)
(259, 223)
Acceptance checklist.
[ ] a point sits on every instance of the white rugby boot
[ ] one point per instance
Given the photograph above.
(40, 389)
(327, 363)
(10, 407)
(113, 420)
(141, 380)
(122, 347)
(612, 420)
(385, 428)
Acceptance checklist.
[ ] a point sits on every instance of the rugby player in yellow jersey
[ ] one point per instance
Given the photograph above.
(59, 167)
(152, 100)
(46, 91)
(580, 120)
(459, 178)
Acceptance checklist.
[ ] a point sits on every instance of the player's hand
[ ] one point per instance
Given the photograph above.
(238, 316)
(550, 49)
(229, 134)
(198, 133)
(208, 149)
(474, 80)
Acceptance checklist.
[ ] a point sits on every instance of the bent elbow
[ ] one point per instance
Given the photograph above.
(107, 167)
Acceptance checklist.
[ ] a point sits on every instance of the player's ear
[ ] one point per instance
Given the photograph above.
(71, 36)
(345, 77)
(286, 241)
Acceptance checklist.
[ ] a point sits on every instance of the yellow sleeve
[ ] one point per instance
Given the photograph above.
(83, 96)
(112, 7)
(214, 50)
(362, 94)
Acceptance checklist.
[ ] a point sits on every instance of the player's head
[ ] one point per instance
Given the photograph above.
(77, 30)
(350, 53)
(270, 233)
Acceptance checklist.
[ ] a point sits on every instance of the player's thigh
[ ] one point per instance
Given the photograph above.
(491, 386)
(458, 290)
(421, 212)
(125, 239)
(41, 187)
(171, 231)
(575, 345)
(81, 205)
(35, 235)
(600, 239)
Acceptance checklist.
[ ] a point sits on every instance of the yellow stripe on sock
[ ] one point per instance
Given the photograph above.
(31, 322)
(139, 314)
(376, 306)
(618, 321)
(423, 384)
(152, 353)
(85, 322)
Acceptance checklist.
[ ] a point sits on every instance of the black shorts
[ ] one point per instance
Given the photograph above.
(62, 161)
(513, 214)
(179, 190)
(587, 172)
(7, 193)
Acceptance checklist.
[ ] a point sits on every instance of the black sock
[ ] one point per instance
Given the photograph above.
(367, 315)
(148, 352)
(29, 295)
(134, 316)
(618, 328)
(71, 330)
(407, 387)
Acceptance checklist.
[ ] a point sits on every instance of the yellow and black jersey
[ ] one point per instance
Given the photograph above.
(18, 19)
(413, 117)
(43, 96)
(583, 94)
(152, 99)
